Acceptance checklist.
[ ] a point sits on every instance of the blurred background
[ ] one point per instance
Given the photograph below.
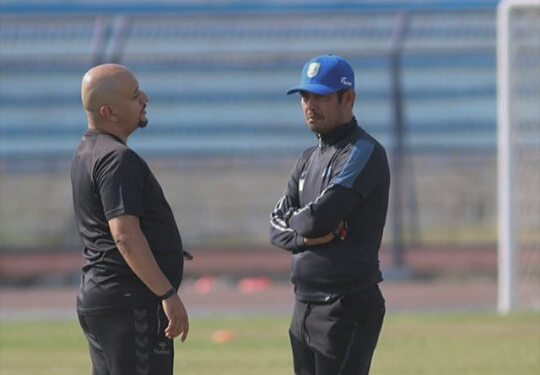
(223, 136)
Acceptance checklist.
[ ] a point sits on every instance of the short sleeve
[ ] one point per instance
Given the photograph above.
(120, 178)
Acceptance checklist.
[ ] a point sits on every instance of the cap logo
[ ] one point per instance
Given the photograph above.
(313, 69)
(345, 81)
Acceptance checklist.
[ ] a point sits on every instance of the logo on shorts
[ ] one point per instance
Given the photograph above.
(313, 69)
(162, 348)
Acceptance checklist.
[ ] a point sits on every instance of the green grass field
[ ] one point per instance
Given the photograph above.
(410, 344)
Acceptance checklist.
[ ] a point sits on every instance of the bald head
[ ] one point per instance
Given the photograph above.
(102, 85)
(112, 100)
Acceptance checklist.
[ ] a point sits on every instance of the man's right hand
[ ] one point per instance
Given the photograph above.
(341, 230)
(319, 240)
(178, 319)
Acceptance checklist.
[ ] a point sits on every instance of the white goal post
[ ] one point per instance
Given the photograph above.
(518, 155)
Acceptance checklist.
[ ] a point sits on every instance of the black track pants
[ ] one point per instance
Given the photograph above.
(129, 342)
(337, 338)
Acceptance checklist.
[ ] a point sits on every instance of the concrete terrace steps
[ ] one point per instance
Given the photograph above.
(217, 80)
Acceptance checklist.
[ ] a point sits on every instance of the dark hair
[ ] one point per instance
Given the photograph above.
(340, 94)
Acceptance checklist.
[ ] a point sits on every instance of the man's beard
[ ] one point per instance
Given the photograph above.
(143, 123)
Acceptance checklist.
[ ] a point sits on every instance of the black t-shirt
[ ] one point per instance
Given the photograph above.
(109, 180)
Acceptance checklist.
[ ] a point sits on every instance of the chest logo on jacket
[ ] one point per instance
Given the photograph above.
(301, 181)
(326, 172)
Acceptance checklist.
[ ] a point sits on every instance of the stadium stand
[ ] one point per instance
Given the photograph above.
(217, 78)
(223, 134)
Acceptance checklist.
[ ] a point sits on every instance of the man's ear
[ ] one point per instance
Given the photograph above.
(352, 94)
(349, 97)
(107, 111)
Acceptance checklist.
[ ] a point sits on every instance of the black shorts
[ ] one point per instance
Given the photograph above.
(339, 337)
(129, 342)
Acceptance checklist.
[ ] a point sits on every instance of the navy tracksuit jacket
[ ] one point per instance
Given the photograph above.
(345, 178)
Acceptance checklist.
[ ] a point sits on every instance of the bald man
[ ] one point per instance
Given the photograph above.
(128, 305)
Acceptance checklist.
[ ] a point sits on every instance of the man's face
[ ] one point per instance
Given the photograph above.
(322, 113)
(132, 105)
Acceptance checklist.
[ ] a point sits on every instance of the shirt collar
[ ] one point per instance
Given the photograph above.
(98, 132)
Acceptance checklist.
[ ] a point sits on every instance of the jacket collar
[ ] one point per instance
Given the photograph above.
(334, 135)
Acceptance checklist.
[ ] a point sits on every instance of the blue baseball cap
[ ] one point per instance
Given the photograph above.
(324, 75)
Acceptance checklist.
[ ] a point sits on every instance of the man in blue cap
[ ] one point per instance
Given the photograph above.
(331, 218)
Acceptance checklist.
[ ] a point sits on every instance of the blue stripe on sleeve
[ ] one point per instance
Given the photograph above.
(355, 163)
